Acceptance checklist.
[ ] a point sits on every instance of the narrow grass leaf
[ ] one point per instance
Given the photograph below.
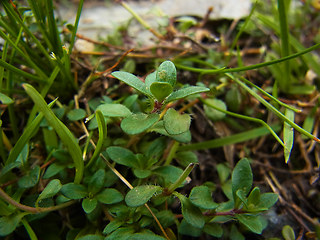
(233, 139)
(102, 128)
(64, 133)
(285, 82)
(288, 135)
(4, 99)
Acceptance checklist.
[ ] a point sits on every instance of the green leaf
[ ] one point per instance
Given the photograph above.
(142, 173)
(201, 197)
(4, 99)
(186, 228)
(254, 196)
(52, 188)
(212, 113)
(242, 196)
(132, 81)
(53, 169)
(9, 223)
(123, 156)
(288, 135)
(223, 172)
(184, 137)
(190, 212)
(252, 222)
(161, 90)
(288, 233)
(96, 181)
(175, 123)
(185, 92)
(186, 157)
(109, 196)
(122, 233)
(64, 133)
(89, 204)
(30, 179)
(235, 234)
(28, 132)
(241, 177)
(102, 128)
(74, 191)
(112, 226)
(169, 173)
(145, 236)
(267, 200)
(138, 123)
(151, 78)
(167, 73)
(91, 237)
(233, 99)
(114, 110)
(76, 114)
(213, 229)
(141, 194)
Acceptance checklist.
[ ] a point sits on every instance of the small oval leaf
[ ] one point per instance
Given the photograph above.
(161, 90)
(191, 213)
(123, 156)
(201, 197)
(214, 114)
(138, 123)
(175, 123)
(185, 92)
(50, 190)
(76, 114)
(167, 73)
(140, 195)
(109, 196)
(74, 191)
(89, 204)
(114, 110)
(131, 80)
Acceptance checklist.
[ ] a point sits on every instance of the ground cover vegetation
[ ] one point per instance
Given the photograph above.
(209, 133)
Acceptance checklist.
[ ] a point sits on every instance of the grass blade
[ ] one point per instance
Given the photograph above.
(102, 136)
(285, 83)
(248, 119)
(251, 67)
(75, 26)
(63, 132)
(233, 139)
(29, 131)
(288, 135)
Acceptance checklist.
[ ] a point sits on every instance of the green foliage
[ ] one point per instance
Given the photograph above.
(125, 171)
